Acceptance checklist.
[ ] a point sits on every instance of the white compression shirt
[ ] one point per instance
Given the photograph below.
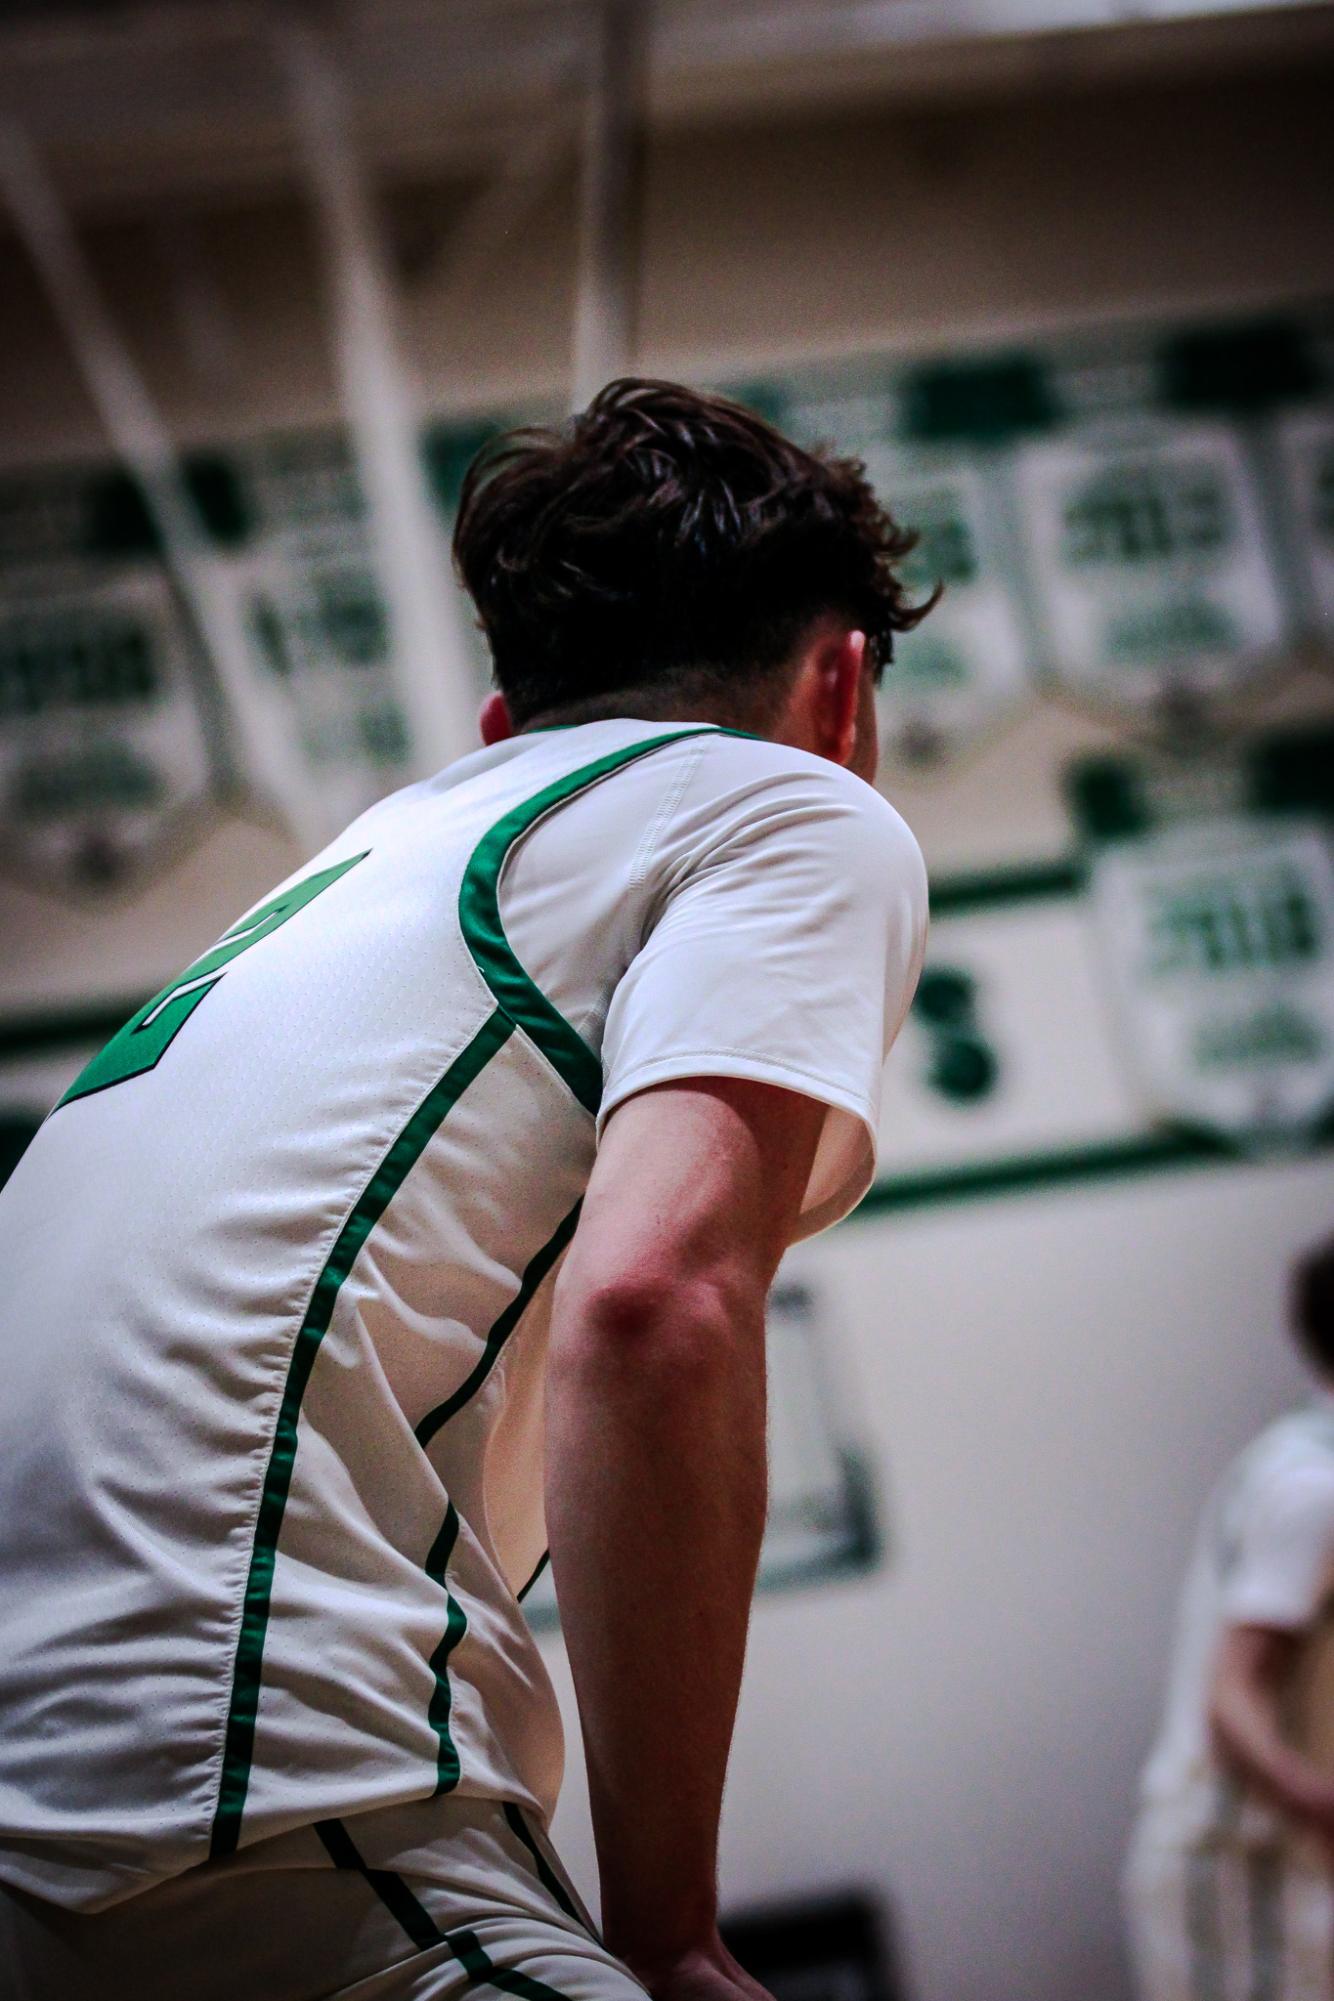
(277, 1275)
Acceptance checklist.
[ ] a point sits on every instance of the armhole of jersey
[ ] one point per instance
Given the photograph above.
(848, 1147)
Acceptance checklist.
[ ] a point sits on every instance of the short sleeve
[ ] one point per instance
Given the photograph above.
(1284, 1567)
(785, 948)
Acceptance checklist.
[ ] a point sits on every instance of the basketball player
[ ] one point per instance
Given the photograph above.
(1230, 1883)
(428, 1220)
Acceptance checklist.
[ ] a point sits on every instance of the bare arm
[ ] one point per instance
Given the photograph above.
(1254, 1666)
(656, 1488)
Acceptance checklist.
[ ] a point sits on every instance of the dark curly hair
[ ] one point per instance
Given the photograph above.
(668, 540)
(1312, 1305)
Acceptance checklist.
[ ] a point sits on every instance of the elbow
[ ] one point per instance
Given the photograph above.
(665, 1327)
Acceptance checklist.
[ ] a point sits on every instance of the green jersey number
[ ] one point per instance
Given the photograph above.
(148, 1034)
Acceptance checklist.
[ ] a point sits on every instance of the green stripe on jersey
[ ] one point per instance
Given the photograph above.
(534, 1272)
(520, 1004)
(388, 1886)
(456, 1625)
(406, 1150)
(482, 1970)
(542, 1563)
(409, 1911)
(479, 913)
(547, 1876)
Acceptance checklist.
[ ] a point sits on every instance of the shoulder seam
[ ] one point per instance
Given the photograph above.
(518, 997)
(651, 839)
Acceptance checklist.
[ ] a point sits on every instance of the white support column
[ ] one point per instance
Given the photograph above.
(270, 755)
(611, 195)
(425, 608)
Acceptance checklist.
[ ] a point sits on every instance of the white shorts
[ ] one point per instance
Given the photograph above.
(430, 1901)
(1215, 1917)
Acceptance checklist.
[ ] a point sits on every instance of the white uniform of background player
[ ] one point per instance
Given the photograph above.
(1228, 1898)
(277, 1275)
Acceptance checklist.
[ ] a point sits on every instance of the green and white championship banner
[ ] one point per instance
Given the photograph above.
(1138, 519)
(1215, 917)
(1306, 445)
(1152, 563)
(966, 671)
(315, 613)
(1160, 998)
(105, 754)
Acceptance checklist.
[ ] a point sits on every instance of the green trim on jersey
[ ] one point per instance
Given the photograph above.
(447, 1768)
(388, 1886)
(403, 1905)
(542, 1563)
(534, 1272)
(479, 913)
(520, 1004)
(547, 1876)
(147, 1036)
(239, 1737)
(482, 1970)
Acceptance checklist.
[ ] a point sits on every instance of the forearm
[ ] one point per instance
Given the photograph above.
(1245, 1714)
(1247, 1736)
(656, 1492)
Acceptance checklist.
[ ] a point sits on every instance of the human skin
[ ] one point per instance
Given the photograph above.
(656, 1480)
(1251, 1678)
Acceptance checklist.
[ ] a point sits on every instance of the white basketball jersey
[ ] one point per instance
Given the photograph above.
(1264, 1556)
(277, 1270)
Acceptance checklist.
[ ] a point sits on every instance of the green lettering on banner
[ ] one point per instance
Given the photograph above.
(1223, 923)
(148, 1034)
(1153, 512)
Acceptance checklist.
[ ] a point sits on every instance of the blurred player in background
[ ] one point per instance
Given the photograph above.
(286, 1353)
(1230, 1883)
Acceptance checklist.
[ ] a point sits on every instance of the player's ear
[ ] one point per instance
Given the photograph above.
(495, 721)
(840, 658)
